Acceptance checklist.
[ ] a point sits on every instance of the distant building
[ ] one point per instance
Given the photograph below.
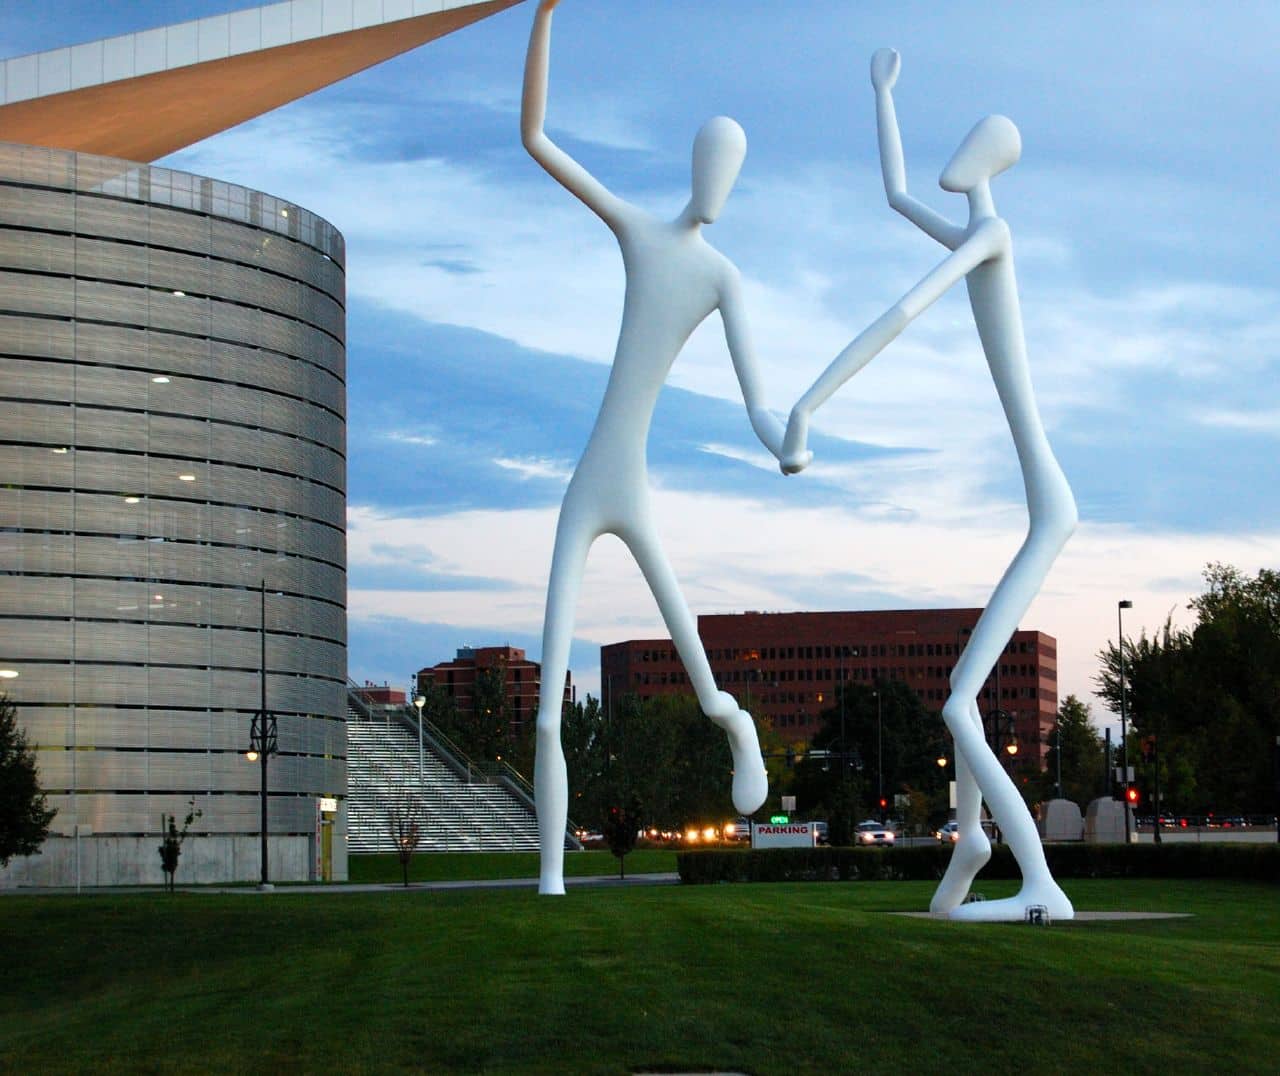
(785, 666)
(521, 677)
(382, 696)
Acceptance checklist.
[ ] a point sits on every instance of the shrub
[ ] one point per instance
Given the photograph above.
(928, 862)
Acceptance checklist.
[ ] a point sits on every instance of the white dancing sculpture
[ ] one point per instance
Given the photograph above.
(674, 281)
(982, 256)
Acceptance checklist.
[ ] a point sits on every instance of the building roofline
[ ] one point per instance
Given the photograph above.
(144, 95)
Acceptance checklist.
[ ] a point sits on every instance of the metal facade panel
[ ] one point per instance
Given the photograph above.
(152, 578)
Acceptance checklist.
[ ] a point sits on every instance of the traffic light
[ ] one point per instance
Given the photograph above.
(1131, 796)
(883, 803)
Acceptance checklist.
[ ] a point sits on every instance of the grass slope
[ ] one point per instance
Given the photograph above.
(759, 979)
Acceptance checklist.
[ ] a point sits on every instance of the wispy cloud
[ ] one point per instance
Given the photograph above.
(554, 470)
(1263, 422)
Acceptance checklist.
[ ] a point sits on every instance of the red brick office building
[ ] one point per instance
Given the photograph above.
(521, 677)
(788, 666)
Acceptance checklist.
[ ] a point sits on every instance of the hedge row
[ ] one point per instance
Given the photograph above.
(1259, 862)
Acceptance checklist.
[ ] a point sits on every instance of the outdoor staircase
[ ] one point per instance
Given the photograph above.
(459, 806)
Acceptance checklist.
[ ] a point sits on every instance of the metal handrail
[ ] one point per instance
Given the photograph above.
(457, 759)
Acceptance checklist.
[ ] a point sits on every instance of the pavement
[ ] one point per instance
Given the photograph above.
(1080, 917)
(600, 882)
(611, 881)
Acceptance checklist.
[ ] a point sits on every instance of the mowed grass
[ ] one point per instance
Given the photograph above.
(797, 978)
(486, 866)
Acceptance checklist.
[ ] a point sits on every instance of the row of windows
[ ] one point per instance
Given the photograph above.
(57, 360)
(865, 674)
(62, 256)
(33, 538)
(852, 650)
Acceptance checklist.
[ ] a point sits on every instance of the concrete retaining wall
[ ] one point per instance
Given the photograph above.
(110, 861)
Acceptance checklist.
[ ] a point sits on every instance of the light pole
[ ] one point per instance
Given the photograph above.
(419, 701)
(263, 741)
(880, 751)
(1057, 742)
(1121, 606)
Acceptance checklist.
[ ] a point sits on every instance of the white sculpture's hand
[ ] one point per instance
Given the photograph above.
(795, 456)
(885, 65)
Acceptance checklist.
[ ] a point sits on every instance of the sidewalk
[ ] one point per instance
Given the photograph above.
(598, 882)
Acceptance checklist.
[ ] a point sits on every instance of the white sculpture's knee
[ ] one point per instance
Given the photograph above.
(548, 733)
(724, 707)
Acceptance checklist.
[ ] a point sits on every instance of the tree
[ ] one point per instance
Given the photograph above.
(583, 737)
(24, 811)
(492, 732)
(621, 829)
(1081, 748)
(883, 726)
(171, 845)
(403, 816)
(1210, 696)
(662, 752)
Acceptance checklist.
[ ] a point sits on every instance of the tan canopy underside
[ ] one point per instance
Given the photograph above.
(150, 116)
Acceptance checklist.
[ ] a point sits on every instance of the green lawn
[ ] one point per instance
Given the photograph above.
(798, 978)
(484, 866)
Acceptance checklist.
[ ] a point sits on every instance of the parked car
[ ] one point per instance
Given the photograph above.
(950, 833)
(871, 832)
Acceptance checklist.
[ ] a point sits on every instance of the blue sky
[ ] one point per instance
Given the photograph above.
(484, 303)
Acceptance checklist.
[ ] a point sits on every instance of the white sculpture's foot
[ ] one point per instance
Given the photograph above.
(969, 856)
(551, 885)
(750, 781)
(1047, 894)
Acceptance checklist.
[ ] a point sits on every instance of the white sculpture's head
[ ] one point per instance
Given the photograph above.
(992, 146)
(718, 153)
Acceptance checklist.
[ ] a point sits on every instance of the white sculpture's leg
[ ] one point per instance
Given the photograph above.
(972, 848)
(750, 781)
(574, 536)
(1052, 520)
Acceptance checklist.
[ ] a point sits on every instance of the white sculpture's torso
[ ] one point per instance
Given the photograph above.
(657, 319)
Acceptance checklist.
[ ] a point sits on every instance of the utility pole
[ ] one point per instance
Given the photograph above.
(1124, 738)
(263, 740)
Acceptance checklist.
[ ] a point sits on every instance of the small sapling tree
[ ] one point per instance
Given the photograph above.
(171, 845)
(621, 825)
(406, 831)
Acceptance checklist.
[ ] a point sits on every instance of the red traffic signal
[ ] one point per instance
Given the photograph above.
(883, 803)
(1131, 796)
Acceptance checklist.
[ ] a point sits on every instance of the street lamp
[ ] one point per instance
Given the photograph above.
(879, 751)
(263, 741)
(1057, 752)
(1121, 606)
(420, 701)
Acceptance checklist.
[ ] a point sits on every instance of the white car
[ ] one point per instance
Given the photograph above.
(950, 833)
(873, 833)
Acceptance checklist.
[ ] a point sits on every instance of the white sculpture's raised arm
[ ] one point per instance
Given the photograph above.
(885, 65)
(533, 112)
(737, 336)
(986, 241)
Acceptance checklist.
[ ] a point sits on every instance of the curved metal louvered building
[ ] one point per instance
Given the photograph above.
(172, 435)
(172, 393)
